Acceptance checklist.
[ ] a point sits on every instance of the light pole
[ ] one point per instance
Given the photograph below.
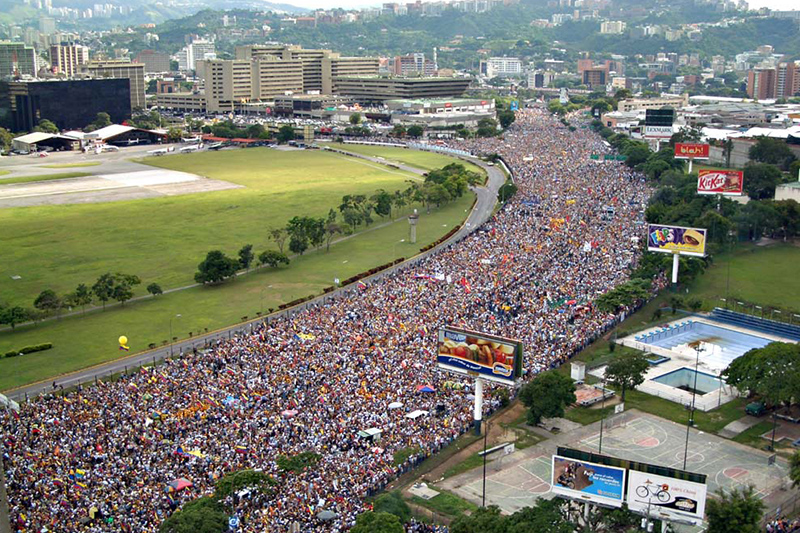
(602, 408)
(170, 333)
(485, 438)
(697, 351)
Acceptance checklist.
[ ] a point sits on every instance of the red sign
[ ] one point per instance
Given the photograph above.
(726, 182)
(691, 151)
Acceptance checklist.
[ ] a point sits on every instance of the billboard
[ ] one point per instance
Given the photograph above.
(587, 481)
(725, 182)
(477, 354)
(676, 239)
(667, 497)
(658, 132)
(691, 151)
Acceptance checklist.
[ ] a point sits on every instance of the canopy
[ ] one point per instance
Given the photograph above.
(425, 388)
(177, 485)
(395, 405)
(326, 515)
(289, 413)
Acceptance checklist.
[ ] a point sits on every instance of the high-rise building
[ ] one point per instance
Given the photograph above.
(121, 69)
(595, 77)
(501, 66)
(71, 104)
(334, 67)
(785, 84)
(17, 60)
(197, 50)
(47, 25)
(412, 65)
(761, 84)
(154, 62)
(612, 27)
(66, 59)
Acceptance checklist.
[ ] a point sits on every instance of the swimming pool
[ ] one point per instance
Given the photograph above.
(684, 379)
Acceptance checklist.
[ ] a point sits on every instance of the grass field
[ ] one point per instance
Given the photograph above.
(163, 239)
(4, 172)
(42, 177)
(74, 165)
(413, 158)
(764, 275)
(91, 339)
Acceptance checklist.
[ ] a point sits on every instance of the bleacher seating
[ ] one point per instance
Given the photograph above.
(772, 327)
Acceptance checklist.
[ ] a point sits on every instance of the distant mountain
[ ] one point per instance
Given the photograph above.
(260, 5)
(188, 7)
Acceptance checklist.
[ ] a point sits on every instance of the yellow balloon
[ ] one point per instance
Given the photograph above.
(123, 340)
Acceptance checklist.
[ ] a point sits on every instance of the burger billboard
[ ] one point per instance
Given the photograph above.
(725, 182)
(493, 358)
(676, 239)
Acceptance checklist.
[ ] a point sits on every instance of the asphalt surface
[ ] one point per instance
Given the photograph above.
(481, 212)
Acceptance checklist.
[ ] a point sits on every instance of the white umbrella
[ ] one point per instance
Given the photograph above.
(395, 405)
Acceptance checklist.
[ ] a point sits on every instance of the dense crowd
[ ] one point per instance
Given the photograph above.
(100, 459)
(783, 525)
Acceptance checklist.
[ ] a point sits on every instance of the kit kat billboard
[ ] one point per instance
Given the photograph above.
(691, 151)
(725, 182)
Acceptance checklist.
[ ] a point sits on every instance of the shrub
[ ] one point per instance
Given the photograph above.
(29, 349)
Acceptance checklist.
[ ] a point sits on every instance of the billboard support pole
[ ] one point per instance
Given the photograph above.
(676, 261)
(691, 160)
(478, 411)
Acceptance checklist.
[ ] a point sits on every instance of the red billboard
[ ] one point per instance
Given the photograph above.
(691, 151)
(725, 182)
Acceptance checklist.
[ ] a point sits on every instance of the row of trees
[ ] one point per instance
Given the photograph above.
(218, 267)
(108, 287)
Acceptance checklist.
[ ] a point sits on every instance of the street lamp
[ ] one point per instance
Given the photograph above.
(485, 438)
(602, 409)
(698, 348)
(170, 333)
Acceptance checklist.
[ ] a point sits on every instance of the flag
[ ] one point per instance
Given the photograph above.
(242, 449)
(123, 348)
(79, 485)
(304, 336)
(362, 285)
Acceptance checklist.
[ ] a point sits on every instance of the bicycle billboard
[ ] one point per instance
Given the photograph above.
(585, 481)
(666, 497)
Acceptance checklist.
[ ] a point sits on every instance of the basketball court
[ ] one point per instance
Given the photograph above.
(518, 480)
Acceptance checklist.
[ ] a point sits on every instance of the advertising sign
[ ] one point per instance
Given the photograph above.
(725, 182)
(691, 151)
(514, 105)
(670, 498)
(658, 132)
(492, 358)
(588, 481)
(676, 239)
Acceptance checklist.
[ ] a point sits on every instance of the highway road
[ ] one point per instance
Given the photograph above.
(481, 212)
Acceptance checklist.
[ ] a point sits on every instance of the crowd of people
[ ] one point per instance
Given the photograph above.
(783, 525)
(102, 458)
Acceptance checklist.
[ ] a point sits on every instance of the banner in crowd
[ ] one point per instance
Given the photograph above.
(667, 497)
(492, 358)
(676, 239)
(587, 481)
(691, 151)
(725, 182)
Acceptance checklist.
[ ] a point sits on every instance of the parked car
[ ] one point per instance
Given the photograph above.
(755, 409)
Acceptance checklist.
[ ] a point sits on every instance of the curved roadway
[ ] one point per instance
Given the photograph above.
(481, 212)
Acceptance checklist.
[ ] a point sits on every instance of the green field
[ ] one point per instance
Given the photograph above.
(413, 158)
(766, 276)
(43, 177)
(4, 172)
(74, 165)
(163, 240)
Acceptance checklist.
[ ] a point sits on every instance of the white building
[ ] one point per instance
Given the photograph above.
(501, 66)
(197, 50)
(612, 27)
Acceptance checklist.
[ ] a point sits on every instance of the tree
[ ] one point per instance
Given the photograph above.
(103, 288)
(255, 131)
(760, 180)
(272, 258)
(298, 463)
(506, 118)
(487, 127)
(383, 203)
(547, 395)
(46, 126)
(154, 289)
(47, 301)
(772, 151)
(355, 119)
(298, 235)
(123, 287)
(331, 228)
(627, 371)
(772, 372)
(246, 256)
(174, 135)
(315, 229)
(101, 121)
(372, 522)
(739, 510)
(399, 130)
(243, 479)
(5, 139)
(279, 236)
(216, 267)
(415, 131)
(82, 296)
(399, 200)
(393, 503)
(14, 315)
(203, 515)
(637, 153)
(507, 191)
(794, 469)
(285, 134)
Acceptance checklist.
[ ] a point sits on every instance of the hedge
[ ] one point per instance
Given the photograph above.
(29, 349)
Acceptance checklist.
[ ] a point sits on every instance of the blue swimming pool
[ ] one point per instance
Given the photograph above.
(684, 379)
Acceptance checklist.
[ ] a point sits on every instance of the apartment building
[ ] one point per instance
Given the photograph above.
(501, 66)
(378, 89)
(17, 59)
(120, 69)
(67, 59)
(154, 62)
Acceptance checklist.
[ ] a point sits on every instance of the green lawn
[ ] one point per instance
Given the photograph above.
(41, 177)
(74, 165)
(84, 341)
(163, 239)
(446, 504)
(473, 461)
(4, 172)
(766, 276)
(414, 158)
(752, 436)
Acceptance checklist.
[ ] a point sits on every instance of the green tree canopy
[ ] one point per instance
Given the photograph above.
(627, 371)
(372, 522)
(739, 510)
(760, 180)
(546, 396)
(285, 134)
(216, 267)
(272, 258)
(772, 151)
(203, 515)
(772, 372)
(393, 503)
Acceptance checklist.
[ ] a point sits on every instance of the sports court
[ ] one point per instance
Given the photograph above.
(516, 481)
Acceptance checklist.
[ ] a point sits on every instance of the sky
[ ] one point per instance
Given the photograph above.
(780, 5)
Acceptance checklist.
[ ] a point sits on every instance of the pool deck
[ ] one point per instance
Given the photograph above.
(678, 360)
